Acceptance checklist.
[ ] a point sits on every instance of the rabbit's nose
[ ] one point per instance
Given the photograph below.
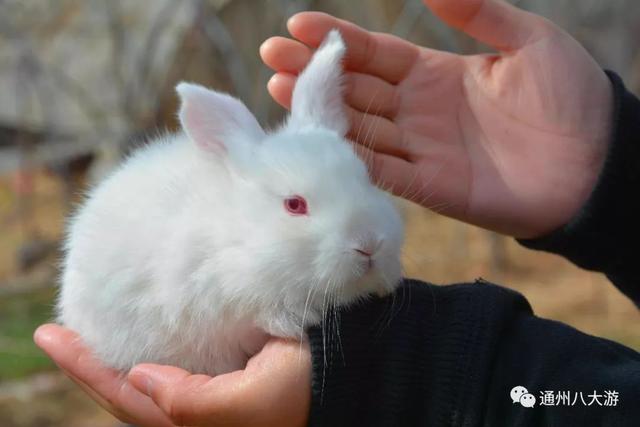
(365, 252)
(366, 256)
(368, 247)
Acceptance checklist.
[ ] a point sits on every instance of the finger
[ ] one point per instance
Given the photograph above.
(367, 52)
(404, 179)
(280, 87)
(108, 406)
(363, 92)
(285, 55)
(371, 95)
(378, 134)
(494, 22)
(185, 398)
(387, 172)
(107, 387)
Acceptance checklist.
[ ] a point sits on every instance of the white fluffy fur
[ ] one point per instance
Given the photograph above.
(317, 96)
(185, 255)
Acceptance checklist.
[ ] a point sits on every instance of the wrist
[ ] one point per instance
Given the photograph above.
(599, 119)
(601, 235)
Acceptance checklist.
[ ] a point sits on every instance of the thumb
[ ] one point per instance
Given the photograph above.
(187, 399)
(493, 22)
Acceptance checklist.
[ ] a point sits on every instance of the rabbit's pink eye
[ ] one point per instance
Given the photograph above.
(296, 205)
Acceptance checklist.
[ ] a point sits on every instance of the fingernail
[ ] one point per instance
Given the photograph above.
(292, 19)
(273, 80)
(42, 336)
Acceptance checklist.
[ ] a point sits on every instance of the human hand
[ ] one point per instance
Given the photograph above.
(273, 390)
(512, 141)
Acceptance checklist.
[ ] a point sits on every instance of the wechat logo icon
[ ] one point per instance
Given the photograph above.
(522, 396)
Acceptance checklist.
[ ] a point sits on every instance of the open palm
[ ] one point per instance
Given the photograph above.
(512, 141)
(273, 390)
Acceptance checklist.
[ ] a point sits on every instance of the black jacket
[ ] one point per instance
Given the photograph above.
(450, 355)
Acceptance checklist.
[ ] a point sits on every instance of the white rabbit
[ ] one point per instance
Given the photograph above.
(202, 244)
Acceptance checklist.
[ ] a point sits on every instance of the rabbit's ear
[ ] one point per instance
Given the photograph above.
(317, 97)
(212, 119)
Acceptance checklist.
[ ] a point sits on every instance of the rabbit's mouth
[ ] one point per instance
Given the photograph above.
(367, 279)
(365, 266)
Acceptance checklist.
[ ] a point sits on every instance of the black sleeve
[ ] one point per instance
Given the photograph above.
(450, 355)
(605, 234)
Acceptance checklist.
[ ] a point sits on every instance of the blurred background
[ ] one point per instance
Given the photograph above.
(83, 81)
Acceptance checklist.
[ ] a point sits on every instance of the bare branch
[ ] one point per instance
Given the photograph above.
(144, 70)
(118, 44)
(217, 34)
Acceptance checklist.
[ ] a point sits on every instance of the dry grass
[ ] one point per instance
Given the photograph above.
(44, 219)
